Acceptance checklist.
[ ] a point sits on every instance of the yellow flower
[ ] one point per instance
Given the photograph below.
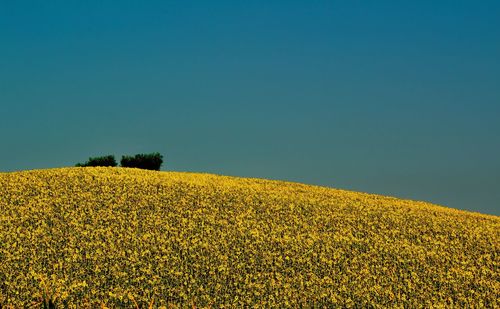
(113, 237)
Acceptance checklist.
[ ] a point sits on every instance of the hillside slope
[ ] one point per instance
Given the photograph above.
(115, 236)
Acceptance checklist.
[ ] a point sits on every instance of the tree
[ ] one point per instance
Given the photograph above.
(99, 161)
(150, 161)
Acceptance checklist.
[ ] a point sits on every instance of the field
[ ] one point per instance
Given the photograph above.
(116, 237)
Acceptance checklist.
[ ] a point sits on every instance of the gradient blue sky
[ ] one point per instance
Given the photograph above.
(385, 97)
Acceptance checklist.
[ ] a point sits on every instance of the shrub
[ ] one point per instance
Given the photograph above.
(151, 161)
(99, 161)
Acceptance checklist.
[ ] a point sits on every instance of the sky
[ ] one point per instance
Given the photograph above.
(399, 98)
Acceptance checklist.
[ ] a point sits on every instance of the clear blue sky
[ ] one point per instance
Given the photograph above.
(385, 97)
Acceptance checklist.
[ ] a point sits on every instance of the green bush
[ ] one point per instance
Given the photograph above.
(100, 161)
(151, 161)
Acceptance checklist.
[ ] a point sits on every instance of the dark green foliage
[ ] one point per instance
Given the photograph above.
(99, 161)
(151, 161)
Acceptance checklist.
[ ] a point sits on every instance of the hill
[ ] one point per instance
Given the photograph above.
(117, 237)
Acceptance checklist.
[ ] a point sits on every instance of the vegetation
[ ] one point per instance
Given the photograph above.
(99, 161)
(151, 161)
(113, 237)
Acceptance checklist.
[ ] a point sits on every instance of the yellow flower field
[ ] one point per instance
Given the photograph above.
(116, 237)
